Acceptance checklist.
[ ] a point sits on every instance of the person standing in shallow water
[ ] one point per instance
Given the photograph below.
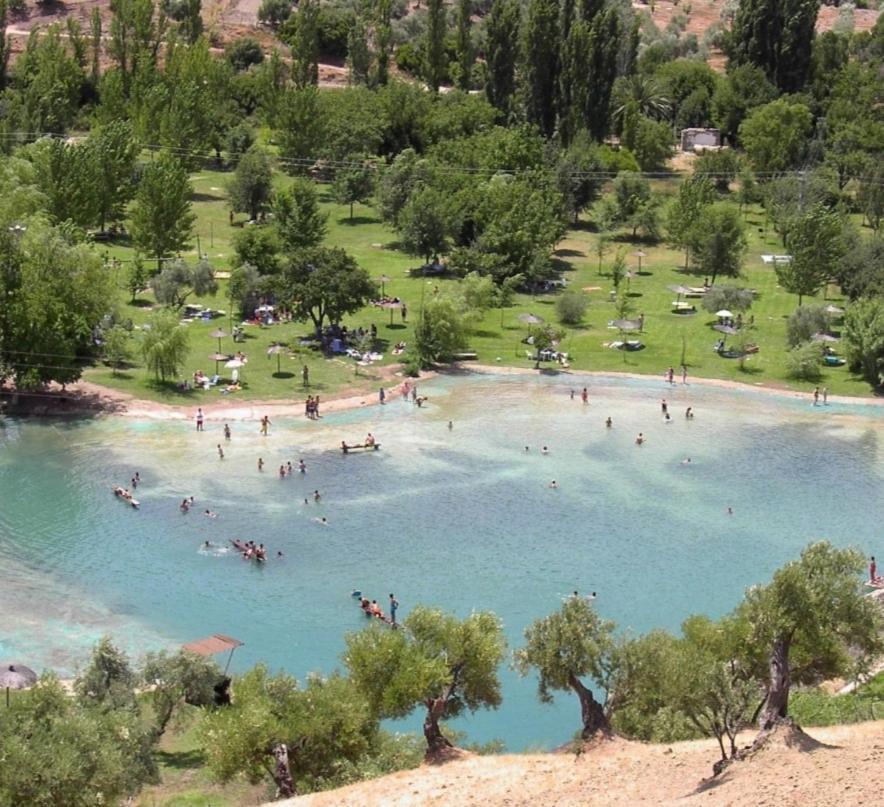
(394, 606)
(199, 419)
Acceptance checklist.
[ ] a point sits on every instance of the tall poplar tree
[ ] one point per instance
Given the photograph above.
(434, 47)
(383, 37)
(464, 44)
(500, 55)
(305, 47)
(775, 35)
(358, 53)
(540, 64)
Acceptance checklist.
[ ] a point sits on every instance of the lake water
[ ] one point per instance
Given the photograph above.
(462, 518)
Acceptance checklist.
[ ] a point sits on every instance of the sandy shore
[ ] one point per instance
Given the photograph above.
(85, 397)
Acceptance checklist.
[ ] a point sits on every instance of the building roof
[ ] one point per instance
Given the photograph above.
(216, 643)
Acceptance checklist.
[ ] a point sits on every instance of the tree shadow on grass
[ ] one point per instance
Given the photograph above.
(199, 196)
(569, 253)
(396, 326)
(283, 374)
(140, 302)
(182, 760)
(356, 220)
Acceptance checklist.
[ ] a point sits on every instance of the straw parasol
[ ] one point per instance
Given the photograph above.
(639, 253)
(384, 279)
(16, 676)
(391, 305)
(275, 349)
(218, 334)
(218, 357)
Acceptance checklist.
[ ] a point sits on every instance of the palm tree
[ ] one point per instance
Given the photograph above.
(643, 94)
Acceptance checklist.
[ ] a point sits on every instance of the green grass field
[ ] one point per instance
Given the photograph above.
(668, 337)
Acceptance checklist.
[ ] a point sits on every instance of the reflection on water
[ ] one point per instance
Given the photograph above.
(459, 518)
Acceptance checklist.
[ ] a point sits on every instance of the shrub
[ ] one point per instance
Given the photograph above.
(804, 322)
(243, 53)
(571, 306)
(731, 298)
(803, 362)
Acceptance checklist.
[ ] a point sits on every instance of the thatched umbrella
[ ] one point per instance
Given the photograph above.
(277, 349)
(217, 357)
(218, 334)
(16, 676)
(384, 279)
(639, 253)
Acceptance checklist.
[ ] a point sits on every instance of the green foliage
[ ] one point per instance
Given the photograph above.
(775, 35)
(114, 152)
(136, 277)
(816, 707)
(864, 332)
(175, 678)
(258, 247)
(323, 283)
(162, 216)
(305, 45)
(58, 750)
(861, 271)
(297, 217)
(108, 679)
(718, 241)
(730, 298)
(117, 346)
(775, 135)
(652, 144)
(178, 280)
(422, 225)
(815, 244)
(274, 12)
(165, 345)
(502, 31)
(464, 45)
(721, 166)
(694, 196)
(243, 52)
(571, 306)
(577, 164)
(441, 331)
(435, 67)
(804, 322)
(245, 281)
(804, 361)
(324, 726)
(358, 52)
(249, 190)
(353, 184)
(743, 89)
(398, 182)
(541, 63)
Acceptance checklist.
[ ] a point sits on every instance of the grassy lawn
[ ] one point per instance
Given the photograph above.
(498, 339)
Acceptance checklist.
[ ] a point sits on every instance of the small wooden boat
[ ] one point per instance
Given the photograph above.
(249, 552)
(359, 447)
(123, 495)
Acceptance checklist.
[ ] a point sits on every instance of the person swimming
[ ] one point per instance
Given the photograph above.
(316, 496)
(640, 439)
(302, 466)
(321, 520)
(544, 450)
(609, 423)
(260, 464)
(554, 484)
(184, 506)
(210, 514)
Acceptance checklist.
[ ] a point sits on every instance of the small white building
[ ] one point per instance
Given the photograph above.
(699, 139)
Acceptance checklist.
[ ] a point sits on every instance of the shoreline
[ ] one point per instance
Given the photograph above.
(87, 397)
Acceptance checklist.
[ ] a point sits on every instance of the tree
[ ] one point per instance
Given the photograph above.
(305, 45)
(353, 184)
(440, 662)
(250, 187)
(719, 241)
(540, 69)
(500, 55)
(383, 35)
(176, 678)
(243, 52)
(864, 329)
(116, 346)
(775, 135)
(730, 297)
(162, 217)
(579, 174)
(297, 217)
(137, 31)
(245, 281)
(165, 345)
(435, 66)
(274, 12)
(463, 45)
(422, 225)
(804, 322)
(304, 737)
(358, 52)
(136, 279)
(259, 247)
(301, 125)
(571, 306)
(543, 337)
(744, 88)
(399, 181)
(815, 244)
(694, 195)
(174, 284)
(721, 167)
(775, 35)
(566, 646)
(441, 331)
(324, 283)
(113, 151)
(813, 609)
(871, 198)
(67, 174)
(108, 678)
(54, 295)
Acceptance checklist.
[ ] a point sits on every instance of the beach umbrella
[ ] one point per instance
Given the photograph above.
(16, 676)
(824, 337)
(218, 334)
(392, 306)
(234, 364)
(277, 349)
(724, 313)
(728, 329)
(639, 253)
(216, 357)
(530, 319)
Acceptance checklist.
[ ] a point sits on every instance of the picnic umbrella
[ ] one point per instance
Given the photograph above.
(530, 319)
(384, 279)
(16, 676)
(235, 364)
(392, 306)
(824, 337)
(277, 349)
(218, 334)
(629, 275)
(723, 314)
(639, 253)
(216, 357)
(728, 329)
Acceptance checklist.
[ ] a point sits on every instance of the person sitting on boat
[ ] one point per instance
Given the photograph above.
(365, 605)
(369, 439)
(375, 610)
(260, 553)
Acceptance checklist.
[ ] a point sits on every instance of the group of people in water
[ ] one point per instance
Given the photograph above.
(372, 609)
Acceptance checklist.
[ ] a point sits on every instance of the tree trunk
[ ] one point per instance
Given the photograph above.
(282, 775)
(776, 705)
(351, 211)
(593, 715)
(436, 740)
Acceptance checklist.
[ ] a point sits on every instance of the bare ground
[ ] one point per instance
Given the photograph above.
(844, 766)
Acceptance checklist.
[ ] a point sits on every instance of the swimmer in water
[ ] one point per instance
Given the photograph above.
(302, 466)
(526, 449)
(609, 423)
(544, 450)
(686, 461)
(210, 514)
(260, 464)
(554, 484)
(316, 496)
(184, 506)
(323, 520)
(207, 545)
(289, 469)
(730, 511)
(667, 418)
(450, 425)
(220, 452)
(640, 439)
(689, 413)
(281, 471)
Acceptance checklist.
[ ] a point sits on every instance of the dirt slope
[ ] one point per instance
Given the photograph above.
(845, 766)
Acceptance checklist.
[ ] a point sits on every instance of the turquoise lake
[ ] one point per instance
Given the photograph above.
(463, 519)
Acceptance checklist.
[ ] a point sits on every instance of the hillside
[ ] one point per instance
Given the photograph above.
(843, 765)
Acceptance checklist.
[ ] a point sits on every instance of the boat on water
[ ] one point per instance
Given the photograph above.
(124, 495)
(249, 551)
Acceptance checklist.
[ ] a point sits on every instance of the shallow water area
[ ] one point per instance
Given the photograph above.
(462, 518)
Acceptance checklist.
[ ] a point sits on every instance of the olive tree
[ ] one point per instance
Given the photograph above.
(809, 619)
(176, 678)
(174, 284)
(566, 646)
(436, 661)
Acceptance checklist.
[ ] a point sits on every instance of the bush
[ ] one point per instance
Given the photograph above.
(274, 12)
(723, 165)
(571, 306)
(408, 59)
(333, 28)
(652, 144)
(803, 362)
(804, 322)
(243, 53)
(727, 297)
